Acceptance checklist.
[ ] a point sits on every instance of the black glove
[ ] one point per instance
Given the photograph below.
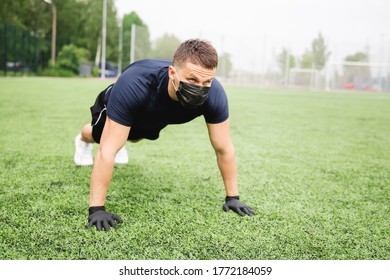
(99, 217)
(234, 203)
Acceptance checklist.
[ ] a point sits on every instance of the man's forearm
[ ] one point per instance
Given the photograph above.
(100, 179)
(228, 168)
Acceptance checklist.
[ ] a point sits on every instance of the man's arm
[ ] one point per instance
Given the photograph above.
(221, 141)
(113, 138)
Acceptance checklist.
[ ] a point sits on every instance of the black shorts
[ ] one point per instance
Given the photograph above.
(99, 114)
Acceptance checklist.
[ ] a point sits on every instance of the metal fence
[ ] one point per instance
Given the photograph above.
(19, 50)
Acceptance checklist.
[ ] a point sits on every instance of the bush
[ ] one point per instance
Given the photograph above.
(95, 71)
(70, 57)
(56, 72)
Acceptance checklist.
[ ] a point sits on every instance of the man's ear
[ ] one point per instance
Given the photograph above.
(171, 72)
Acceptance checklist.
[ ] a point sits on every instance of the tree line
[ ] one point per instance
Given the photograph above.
(317, 57)
(79, 33)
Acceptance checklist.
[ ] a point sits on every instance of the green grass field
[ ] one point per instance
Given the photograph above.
(315, 166)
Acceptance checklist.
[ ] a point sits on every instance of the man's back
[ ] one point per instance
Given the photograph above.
(140, 99)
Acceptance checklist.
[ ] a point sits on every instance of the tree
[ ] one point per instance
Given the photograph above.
(357, 57)
(78, 22)
(285, 61)
(31, 16)
(26, 14)
(165, 46)
(307, 60)
(89, 27)
(319, 52)
(352, 71)
(70, 56)
(142, 41)
(225, 65)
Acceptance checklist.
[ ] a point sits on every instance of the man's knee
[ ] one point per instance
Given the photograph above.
(86, 134)
(136, 140)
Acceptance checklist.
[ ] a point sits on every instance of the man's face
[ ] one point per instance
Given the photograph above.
(193, 74)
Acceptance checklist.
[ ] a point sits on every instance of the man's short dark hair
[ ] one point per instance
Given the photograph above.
(196, 51)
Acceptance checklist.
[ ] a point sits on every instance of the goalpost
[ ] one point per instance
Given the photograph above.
(343, 75)
(139, 47)
(304, 77)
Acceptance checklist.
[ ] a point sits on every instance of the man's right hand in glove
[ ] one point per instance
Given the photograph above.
(234, 203)
(99, 217)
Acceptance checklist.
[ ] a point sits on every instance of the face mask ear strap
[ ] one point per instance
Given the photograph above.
(174, 85)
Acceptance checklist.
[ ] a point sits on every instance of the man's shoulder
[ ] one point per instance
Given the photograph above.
(150, 64)
(145, 71)
(216, 107)
(141, 79)
(217, 90)
(216, 85)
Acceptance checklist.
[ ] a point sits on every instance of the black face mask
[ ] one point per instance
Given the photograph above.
(190, 95)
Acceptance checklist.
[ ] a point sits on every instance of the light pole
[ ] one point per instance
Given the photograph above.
(104, 31)
(53, 31)
(120, 24)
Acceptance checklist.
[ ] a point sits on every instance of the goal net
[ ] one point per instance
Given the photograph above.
(360, 76)
(304, 78)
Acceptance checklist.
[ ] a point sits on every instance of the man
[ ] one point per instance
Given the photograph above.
(149, 95)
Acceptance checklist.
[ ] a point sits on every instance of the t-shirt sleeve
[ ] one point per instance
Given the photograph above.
(126, 98)
(217, 107)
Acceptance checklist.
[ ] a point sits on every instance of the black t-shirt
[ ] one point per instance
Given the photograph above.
(139, 99)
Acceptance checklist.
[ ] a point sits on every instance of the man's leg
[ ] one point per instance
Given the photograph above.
(83, 143)
(86, 134)
(85, 139)
(83, 146)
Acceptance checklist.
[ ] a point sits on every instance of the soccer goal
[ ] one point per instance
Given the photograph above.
(304, 78)
(359, 76)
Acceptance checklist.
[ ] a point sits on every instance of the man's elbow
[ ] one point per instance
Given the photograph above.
(227, 150)
(105, 154)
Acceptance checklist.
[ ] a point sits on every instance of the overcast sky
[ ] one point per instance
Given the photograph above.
(253, 31)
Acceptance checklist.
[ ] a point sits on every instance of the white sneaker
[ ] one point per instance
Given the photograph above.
(122, 157)
(83, 152)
